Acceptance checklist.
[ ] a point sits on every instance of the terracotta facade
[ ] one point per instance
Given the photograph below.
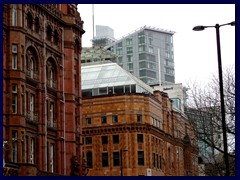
(42, 86)
(137, 135)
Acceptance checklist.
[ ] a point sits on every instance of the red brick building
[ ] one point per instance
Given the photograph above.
(131, 130)
(42, 87)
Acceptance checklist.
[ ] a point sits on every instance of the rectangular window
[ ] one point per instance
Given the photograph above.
(141, 48)
(140, 138)
(150, 40)
(14, 57)
(88, 140)
(115, 158)
(140, 158)
(120, 59)
(115, 118)
(14, 14)
(22, 99)
(22, 147)
(130, 66)
(51, 114)
(51, 157)
(104, 159)
(89, 159)
(104, 139)
(88, 121)
(160, 161)
(139, 118)
(141, 39)
(150, 49)
(143, 72)
(32, 151)
(130, 58)
(129, 50)
(142, 56)
(27, 150)
(128, 42)
(104, 119)
(14, 146)
(119, 51)
(141, 33)
(119, 44)
(154, 160)
(115, 139)
(31, 103)
(177, 152)
(14, 98)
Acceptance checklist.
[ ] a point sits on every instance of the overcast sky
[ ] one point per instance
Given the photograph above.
(195, 52)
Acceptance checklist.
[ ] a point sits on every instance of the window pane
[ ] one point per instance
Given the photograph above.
(88, 121)
(104, 119)
(141, 158)
(139, 138)
(104, 139)
(115, 118)
(115, 139)
(139, 118)
(88, 140)
(89, 159)
(115, 158)
(104, 159)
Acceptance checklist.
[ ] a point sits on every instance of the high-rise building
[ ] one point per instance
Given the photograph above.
(104, 36)
(42, 88)
(148, 54)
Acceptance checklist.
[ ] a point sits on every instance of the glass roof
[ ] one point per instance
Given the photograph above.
(110, 75)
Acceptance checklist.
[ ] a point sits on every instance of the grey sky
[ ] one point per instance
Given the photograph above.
(195, 53)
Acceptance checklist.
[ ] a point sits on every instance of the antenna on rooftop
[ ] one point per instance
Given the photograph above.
(93, 21)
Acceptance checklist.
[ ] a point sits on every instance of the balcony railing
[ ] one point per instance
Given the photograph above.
(32, 74)
(52, 84)
(52, 124)
(32, 116)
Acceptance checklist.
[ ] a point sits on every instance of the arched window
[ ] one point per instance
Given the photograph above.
(49, 33)
(31, 67)
(37, 25)
(29, 20)
(31, 63)
(55, 37)
(89, 159)
(51, 70)
(51, 78)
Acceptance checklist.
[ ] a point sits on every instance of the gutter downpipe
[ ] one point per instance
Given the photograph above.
(64, 115)
(46, 97)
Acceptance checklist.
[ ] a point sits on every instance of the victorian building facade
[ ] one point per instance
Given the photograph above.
(42, 87)
(131, 130)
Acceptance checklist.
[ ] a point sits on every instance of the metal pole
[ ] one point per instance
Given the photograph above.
(93, 22)
(224, 129)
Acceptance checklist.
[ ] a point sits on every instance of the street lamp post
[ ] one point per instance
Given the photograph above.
(121, 160)
(224, 128)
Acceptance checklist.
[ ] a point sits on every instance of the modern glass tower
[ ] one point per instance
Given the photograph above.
(148, 54)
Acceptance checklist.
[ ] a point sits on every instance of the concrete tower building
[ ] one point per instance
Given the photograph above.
(148, 54)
